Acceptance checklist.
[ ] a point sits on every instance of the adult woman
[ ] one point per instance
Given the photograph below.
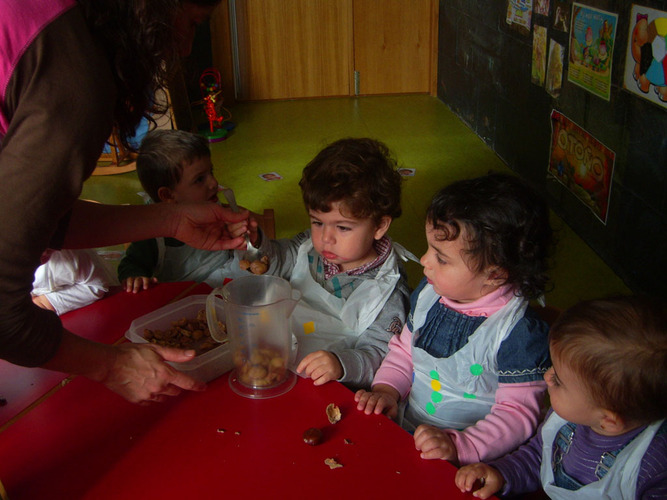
(70, 71)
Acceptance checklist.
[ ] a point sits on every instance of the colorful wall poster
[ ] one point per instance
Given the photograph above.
(554, 80)
(539, 55)
(581, 163)
(592, 36)
(561, 16)
(519, 15)
(542, 7)
(646, 57)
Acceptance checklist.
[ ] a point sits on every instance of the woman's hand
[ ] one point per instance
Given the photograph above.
(207, 226)
(140, 373)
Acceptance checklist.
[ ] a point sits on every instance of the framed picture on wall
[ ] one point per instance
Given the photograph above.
(646, 57)
(592, 38)
(581, 163)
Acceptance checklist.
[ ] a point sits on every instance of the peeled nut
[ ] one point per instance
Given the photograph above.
(258, 267)
(312, 436)
(333, 413)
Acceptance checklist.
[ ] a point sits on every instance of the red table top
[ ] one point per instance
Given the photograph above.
(83, 441)
(105, 320)
(86, 442)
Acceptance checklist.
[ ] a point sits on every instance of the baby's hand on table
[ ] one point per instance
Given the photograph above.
(485, 478)
(435, 443)
(137, 283)
(382, 399)
(321, 366)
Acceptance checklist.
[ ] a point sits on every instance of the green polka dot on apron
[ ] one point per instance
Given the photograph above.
(476, 369)
(436, 397)
(469, 396)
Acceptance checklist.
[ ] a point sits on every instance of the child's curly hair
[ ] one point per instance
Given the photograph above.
(505, 223)
(358, 172)
(617, 347)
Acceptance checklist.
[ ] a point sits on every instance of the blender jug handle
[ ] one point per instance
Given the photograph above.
(218, 334)
(291, 303)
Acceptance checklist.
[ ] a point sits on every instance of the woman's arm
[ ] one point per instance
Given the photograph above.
(201, 225)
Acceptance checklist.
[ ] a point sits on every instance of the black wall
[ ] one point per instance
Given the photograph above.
(484, 75)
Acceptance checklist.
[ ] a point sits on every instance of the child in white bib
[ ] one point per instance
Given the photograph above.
(606, 436)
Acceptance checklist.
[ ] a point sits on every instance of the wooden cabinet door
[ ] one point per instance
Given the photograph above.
(288, 49)
(293, 48)
(395, 46)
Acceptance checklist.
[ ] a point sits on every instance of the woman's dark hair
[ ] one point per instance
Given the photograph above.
(138, 38)
(358, 172)
(505, 223)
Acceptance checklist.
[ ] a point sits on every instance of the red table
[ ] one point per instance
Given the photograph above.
(85, 442)
(103, 321)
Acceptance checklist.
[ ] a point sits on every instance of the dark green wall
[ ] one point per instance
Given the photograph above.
(484, 75)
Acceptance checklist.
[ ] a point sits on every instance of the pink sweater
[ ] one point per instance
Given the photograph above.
(515, 414)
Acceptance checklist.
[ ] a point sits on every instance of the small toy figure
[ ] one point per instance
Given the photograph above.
(211, 88)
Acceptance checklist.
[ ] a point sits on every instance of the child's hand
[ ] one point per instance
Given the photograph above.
(138, 283)
(321, 366)
(435, 443)
(485, 478)
(383, 399)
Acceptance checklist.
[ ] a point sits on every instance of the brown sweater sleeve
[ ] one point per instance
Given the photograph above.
(59, 100)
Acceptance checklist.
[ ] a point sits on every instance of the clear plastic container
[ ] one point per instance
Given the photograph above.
(204, 367)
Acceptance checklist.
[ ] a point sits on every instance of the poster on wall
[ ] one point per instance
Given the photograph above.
(539, 55)
(519, 15)
(542, 7)
(646, 57)
(561, 16)
(581, 163)
(555, 68)
(592, 36)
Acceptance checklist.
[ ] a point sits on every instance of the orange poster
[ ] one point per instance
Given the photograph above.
(581, 163)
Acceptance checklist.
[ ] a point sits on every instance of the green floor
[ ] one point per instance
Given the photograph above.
(423, 134)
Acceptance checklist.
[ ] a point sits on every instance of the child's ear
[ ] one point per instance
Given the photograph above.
(613, 423)
(165, 194)
(382, 227)
(496, 276)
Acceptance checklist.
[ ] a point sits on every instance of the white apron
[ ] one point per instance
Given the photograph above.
(618, 484)
(185, 263)
(321, 320)
(456, 392)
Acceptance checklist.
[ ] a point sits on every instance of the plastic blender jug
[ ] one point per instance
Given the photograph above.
(257, 308)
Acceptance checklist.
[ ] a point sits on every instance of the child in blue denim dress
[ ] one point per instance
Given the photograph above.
(468, 366)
